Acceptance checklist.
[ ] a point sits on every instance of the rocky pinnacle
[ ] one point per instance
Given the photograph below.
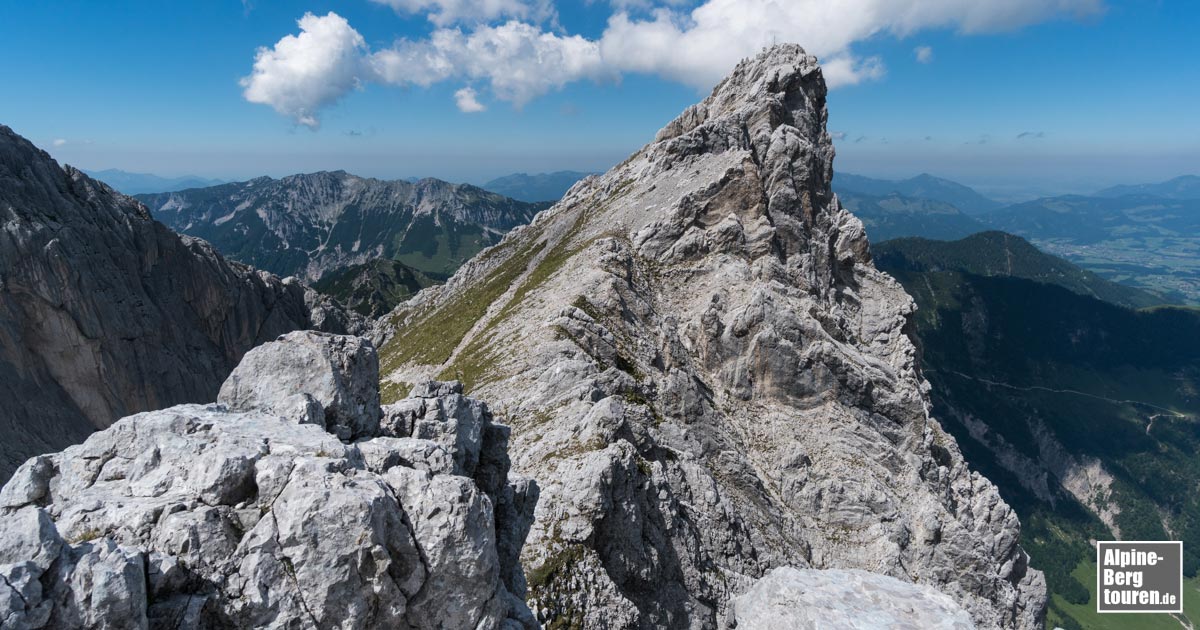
(709, 379)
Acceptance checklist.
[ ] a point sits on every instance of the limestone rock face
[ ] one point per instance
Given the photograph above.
(807, 599)
(198, 516)
(104, 312)
(709, 379)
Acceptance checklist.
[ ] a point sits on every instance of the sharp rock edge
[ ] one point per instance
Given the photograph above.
(710, 379)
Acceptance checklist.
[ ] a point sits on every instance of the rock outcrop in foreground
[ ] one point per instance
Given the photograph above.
(710, 379)
(105, 312)
(200, 516)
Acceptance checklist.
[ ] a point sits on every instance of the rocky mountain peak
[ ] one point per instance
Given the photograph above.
(711, 380)
(773, 108)
(771, 82)
(33, 185)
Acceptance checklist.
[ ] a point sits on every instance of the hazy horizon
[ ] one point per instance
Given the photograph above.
(1013, 98)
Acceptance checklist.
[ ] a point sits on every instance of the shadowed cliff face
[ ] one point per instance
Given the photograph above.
(709, 379)
(105, 312)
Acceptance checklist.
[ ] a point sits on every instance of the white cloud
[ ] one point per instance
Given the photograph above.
(846, 70)
(519, 61)
(700, 47)
(303, 73)
(467, 101)
(58, 142)
(445, 12)
(644, 4)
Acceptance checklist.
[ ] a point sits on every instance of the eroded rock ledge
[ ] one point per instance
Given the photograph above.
(253, 513)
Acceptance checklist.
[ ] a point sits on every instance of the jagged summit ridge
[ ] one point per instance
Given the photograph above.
(710, 380)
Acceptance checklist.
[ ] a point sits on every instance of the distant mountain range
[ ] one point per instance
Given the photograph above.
(1087, 220)
(538, 187)
(1183, 187)
(1083, 412)
(895, 216)
(997, 253)
(1146, 235)
(922, 186)
(138, 183)
(307, 225)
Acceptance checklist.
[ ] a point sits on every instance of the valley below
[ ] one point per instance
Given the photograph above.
(1168, 265)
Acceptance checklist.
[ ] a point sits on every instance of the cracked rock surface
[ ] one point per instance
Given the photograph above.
(709, 379)
(199, 516)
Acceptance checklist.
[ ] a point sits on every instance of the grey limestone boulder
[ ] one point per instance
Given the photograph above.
(319, 378)
(203, 516)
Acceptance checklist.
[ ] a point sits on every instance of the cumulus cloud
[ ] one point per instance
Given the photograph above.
(838, 135)
(642, 4)
(845, 70)
(467, 101)
(519, 61)
(303, 73)
(695, 42)
(445, 12)
(700, 46)
(58, 142)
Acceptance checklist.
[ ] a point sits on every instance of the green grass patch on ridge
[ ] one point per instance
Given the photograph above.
(433, 337)
(472, 364)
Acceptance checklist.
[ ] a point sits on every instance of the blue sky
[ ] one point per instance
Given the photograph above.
(1103, 91)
